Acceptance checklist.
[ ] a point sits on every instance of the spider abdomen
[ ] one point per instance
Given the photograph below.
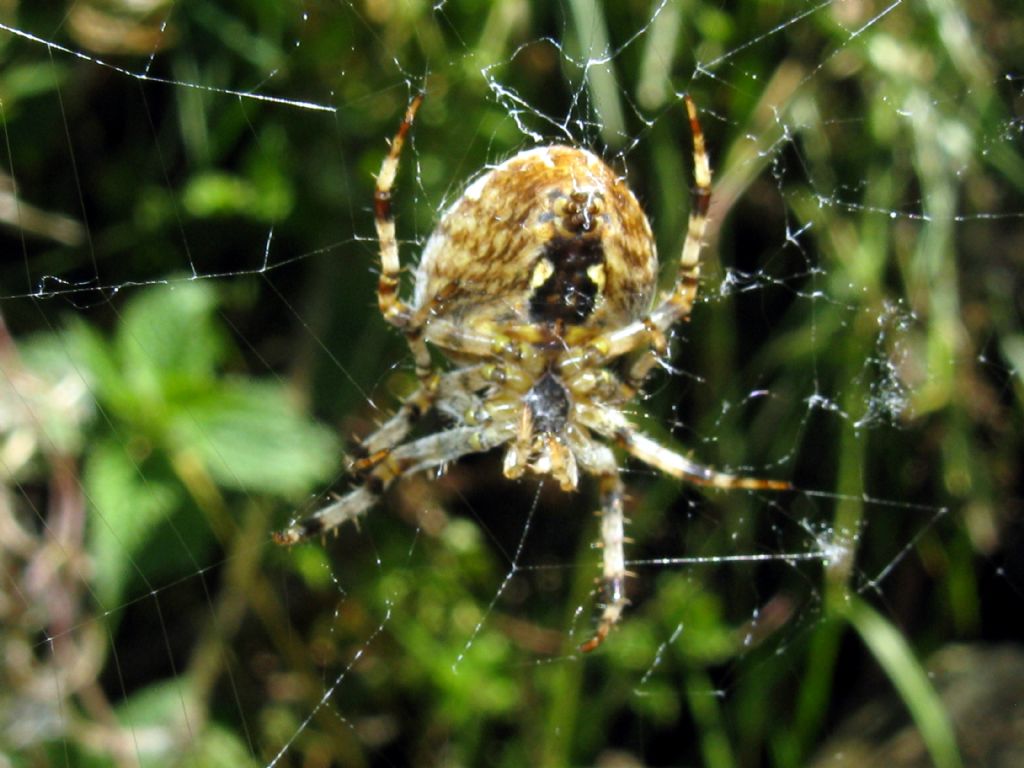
(550, 235)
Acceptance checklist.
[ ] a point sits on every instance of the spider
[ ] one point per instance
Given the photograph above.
(537, 285)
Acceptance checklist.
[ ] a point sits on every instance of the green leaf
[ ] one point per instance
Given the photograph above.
(94, 359)
(50, 396)
(252, 437)
(24, 81)
(1013, 349)
(219, 194)
(167, 713)
(167, 336)
(125, 509)
(893, 654)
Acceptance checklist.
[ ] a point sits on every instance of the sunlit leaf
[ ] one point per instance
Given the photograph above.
(167, 334)
(164, 719)
(251, 437)
(125, 508)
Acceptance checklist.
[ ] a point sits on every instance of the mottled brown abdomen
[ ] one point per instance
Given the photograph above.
(550, 235)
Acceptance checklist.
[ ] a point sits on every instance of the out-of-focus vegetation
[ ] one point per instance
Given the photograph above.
(191, 335)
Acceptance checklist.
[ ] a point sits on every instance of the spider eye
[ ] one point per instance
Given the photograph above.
(567, 280)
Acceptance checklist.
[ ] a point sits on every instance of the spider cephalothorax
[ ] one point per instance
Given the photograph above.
(538, 285)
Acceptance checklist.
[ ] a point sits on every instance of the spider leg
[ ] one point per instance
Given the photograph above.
(349, 507)
(426, 452)
(613, 573)
(677, 303)
(450, 392)
(615, 426)
(395, 310)
(394, 430)
(599, 459)
(675, 464)
(508, 342)
(642, 366)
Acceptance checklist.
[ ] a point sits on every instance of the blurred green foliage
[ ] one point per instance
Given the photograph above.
(190, 296)
(177, 426)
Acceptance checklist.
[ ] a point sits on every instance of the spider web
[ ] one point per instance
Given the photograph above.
(189, 338)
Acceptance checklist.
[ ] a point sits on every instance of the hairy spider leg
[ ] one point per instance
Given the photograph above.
(611, 425)
(395, 310)
(446, 392)
(677, 303)
(425, 453)
(614, 426)
(599, 460)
